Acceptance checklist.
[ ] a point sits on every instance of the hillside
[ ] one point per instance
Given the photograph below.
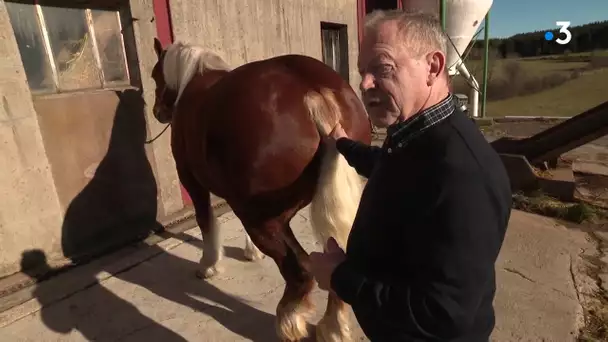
(532, 77)
(585, 38)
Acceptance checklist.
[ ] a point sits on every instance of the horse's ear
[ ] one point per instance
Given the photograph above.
(158, 47)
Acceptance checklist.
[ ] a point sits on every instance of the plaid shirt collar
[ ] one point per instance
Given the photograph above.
(400, 134)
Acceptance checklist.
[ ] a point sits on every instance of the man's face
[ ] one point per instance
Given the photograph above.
(394, 84)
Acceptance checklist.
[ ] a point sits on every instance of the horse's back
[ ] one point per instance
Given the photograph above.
(275, 88)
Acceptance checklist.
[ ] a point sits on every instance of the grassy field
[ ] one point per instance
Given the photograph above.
(569, 99)
(530, 66)
(561, 85)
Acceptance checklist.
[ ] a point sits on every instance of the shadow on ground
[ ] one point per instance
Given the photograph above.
(120, 203)
(100, 315)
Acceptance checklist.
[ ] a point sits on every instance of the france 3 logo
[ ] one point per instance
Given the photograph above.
(563, 31)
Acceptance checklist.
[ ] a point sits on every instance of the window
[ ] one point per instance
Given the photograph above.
(334, 39)
(372, 5)
(67, 49)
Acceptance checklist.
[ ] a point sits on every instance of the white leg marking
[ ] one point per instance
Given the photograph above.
(292, 321)
(251, 252)
(335, 325)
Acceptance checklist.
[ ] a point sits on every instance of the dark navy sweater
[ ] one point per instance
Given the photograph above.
(430, 225)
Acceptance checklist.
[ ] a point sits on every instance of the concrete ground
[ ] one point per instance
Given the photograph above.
(151, 294)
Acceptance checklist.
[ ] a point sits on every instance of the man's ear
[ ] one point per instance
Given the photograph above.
(437, 66)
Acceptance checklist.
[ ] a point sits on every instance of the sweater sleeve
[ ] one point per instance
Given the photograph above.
(468, 229)
(359, 155)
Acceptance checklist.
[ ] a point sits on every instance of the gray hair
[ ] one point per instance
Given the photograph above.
(420, 32)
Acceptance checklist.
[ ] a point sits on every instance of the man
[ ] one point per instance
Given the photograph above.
(420, 259)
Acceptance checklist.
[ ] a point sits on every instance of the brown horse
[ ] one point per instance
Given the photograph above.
(253, 136)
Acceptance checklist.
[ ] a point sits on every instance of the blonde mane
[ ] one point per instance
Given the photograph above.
(183, 61)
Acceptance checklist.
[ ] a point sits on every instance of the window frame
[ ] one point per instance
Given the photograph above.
(127, 40)
(341, 30)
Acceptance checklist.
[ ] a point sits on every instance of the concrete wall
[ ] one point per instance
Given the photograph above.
(248, 30)
(75, 173)
(104, 179)
(30, 214)
(170, 199)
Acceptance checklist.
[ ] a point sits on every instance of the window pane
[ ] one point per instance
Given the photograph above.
(328, 57)
(72, 48)
(109, 43)
(331, 48)
(31, 47)
(335, 37)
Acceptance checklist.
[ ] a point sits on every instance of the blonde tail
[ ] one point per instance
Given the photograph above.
(339, 188)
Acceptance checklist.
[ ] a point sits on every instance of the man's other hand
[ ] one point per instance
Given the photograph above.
(324, 264)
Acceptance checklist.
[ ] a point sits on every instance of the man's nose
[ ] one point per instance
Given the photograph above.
(367, 82)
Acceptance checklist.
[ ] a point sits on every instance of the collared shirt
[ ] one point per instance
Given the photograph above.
(400, 134)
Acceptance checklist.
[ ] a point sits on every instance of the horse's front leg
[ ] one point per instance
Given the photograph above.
(213, 251)
(207, 222)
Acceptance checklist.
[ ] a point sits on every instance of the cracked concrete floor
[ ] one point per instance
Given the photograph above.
(154, 296)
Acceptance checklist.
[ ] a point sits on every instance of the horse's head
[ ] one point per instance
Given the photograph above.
(165, 96)
(176, 67)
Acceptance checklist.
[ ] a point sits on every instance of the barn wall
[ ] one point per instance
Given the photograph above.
(248, 30)
(30, 214)
(102, 170)
(75, 173)
(170, 197)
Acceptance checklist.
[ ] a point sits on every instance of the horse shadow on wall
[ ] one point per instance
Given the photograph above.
(118, 205)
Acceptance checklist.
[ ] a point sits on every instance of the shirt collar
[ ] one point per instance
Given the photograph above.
(399, 134)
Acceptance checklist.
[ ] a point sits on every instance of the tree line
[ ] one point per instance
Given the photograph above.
(585, 38)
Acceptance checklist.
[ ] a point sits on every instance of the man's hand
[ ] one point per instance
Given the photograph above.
(324, 264)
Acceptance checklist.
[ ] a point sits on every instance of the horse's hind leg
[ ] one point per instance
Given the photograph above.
(275, 239)
(207, 222)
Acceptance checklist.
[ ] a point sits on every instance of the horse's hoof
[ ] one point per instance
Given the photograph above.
(328, 332)
(320, 337)
(209, 272)
(292, 321)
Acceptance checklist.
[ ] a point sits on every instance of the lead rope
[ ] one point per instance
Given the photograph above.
(159, 134)
(162, 94)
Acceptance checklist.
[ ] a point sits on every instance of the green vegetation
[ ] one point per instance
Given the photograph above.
(529, 76)
(499, 67)
(557, 85)
(568, 99)
(541, 204)
(585, 38)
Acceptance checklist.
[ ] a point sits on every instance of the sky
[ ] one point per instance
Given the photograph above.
(509, 17)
